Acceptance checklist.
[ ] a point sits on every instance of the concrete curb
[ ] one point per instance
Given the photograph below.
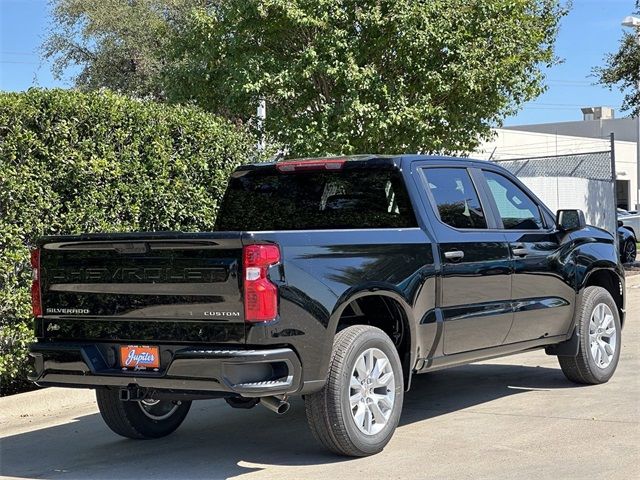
(43, 401)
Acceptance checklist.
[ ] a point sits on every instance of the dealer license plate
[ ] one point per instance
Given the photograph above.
(139, 357)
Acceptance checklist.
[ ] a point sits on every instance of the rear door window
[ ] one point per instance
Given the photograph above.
(455, 197)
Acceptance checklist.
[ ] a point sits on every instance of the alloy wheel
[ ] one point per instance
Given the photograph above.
(603, 337)
(372, 391)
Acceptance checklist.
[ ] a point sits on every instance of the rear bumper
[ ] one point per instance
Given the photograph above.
(247, 372)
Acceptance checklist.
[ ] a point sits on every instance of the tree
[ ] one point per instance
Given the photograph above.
(622, 69)
(74, 162)
(347, 76)
(338, 76)
(117, 44)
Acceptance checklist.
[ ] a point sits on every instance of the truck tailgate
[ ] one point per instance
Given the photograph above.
(136, 287)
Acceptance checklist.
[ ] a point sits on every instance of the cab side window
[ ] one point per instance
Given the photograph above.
(517, 210)
(455, 197)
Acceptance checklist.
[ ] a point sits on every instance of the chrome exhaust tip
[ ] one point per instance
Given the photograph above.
(276, 404)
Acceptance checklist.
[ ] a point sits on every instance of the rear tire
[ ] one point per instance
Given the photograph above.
(600, 341)
(358, 409)
(140, 419)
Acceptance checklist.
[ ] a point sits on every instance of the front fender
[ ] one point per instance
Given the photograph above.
(590, 260)
(585, 251)
(591, 257)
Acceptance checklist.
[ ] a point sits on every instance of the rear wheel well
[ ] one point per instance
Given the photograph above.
(386, 314)
(610, 282)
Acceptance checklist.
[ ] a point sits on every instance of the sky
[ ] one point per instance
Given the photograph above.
(590, 31)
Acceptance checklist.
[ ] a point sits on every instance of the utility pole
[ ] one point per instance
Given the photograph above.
(632, 21)
(262, 116)
(612, 146)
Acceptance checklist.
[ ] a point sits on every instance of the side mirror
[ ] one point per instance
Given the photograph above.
(620, 223)
(568, 220)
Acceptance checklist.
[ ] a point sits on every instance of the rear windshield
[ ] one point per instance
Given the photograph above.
(360, 198)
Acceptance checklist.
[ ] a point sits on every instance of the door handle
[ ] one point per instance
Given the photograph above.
(454, 255)
(519, 251)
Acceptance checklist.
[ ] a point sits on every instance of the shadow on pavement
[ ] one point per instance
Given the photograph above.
(218, 442)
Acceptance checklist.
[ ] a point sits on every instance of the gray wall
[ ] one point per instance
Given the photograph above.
(625, 129)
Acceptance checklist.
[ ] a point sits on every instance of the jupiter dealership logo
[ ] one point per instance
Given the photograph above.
(135, 359)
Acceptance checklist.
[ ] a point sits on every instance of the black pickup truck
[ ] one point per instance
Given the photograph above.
(336, 279)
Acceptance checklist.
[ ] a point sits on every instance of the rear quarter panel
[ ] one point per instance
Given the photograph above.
(322, 271)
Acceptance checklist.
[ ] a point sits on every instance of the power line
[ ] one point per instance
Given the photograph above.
(567, 85)
(559, 104)
(18, 62)
(24, 54)
(570, 82)
(560, 141)
(552, 147)
(534, 107)
(519, 155)
(528, 149)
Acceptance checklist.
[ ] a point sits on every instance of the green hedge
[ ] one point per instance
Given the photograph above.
(75, 162)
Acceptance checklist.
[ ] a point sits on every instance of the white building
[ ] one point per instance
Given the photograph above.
(594, 197)
(589, 135)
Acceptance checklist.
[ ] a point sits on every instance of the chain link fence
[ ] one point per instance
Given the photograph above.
(592, 166)
(579, 180)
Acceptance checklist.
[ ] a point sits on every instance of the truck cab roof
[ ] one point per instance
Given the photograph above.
(354, 161)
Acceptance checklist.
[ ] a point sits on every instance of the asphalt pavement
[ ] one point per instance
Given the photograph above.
(515, 417)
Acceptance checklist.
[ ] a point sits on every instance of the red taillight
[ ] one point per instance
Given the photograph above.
(260, 295)
(319, 164)
(36, 300)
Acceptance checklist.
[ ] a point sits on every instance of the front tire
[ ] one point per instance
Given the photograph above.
(358, 409)
(140, 419)
(600, 340)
